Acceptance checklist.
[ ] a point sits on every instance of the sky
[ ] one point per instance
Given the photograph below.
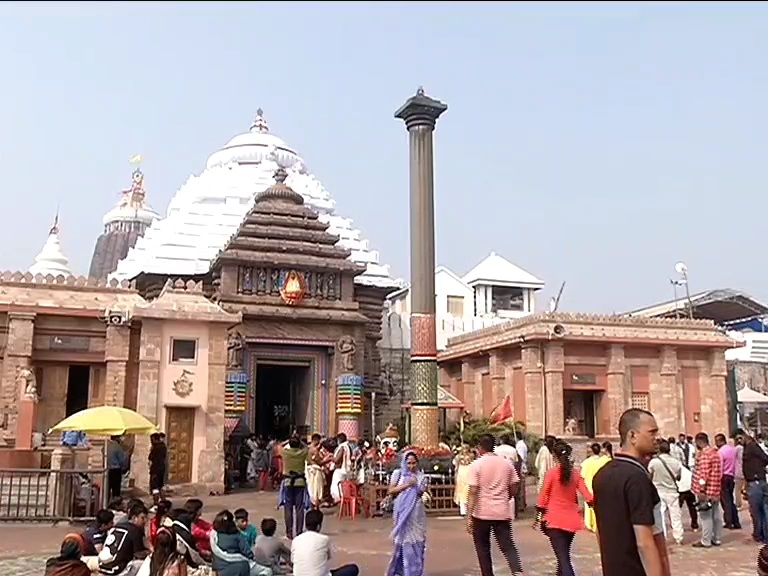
(595, 144)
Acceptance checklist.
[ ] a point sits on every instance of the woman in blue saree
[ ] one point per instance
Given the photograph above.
(409, 534)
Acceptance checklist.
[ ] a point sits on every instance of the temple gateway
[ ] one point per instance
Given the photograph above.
(251, 305)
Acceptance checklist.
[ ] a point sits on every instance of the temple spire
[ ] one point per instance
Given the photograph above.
(259, 124)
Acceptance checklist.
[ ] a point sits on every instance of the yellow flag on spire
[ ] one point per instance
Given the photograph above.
(135, 159)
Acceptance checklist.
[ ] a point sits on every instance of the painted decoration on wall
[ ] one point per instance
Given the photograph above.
(293, 288)
(183, 385)
(235, 392)
(349, 394)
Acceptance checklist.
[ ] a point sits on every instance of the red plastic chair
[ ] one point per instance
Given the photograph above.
(350, 500)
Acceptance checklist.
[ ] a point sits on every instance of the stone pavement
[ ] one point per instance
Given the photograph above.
(24, 548)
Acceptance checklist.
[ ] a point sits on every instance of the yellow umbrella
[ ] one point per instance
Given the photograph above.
(106, 421)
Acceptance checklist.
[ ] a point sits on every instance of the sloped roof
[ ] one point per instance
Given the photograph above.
(748, 396)
(498, 270)
(724, 306)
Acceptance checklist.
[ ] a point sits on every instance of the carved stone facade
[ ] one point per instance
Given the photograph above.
(295, 288)
(573, 373)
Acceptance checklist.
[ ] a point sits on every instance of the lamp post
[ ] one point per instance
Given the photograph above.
(682, 270)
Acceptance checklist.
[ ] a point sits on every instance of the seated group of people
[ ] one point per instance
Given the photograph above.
(179, 542)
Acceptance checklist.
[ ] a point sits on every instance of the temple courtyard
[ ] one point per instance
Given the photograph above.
(450, 553)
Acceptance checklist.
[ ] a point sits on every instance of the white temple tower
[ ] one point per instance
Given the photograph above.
(51, 260)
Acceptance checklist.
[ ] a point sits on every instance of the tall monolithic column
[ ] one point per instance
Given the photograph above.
(420, 113)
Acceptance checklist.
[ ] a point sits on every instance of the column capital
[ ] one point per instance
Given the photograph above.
(30, 316)
(420, 111)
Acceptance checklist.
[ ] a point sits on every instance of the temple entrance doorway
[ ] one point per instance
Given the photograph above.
(78, 388)
(580, 413)
(281, 398)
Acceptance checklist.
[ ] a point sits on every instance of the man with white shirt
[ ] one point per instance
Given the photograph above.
(311, 551)
(509, 453)
(522, 452)
(342, 466)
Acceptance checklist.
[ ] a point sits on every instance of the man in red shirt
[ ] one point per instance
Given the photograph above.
(706, 484)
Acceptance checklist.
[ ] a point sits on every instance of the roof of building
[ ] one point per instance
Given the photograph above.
(51, 259)
(724, 307)
(180, 300)
(209, 208)
(568, 327)
(497, 270)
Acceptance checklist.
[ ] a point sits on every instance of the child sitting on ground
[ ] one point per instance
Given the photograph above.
(248, 531)
(270, 550)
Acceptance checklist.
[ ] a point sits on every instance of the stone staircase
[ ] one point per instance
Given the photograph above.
(24, 496)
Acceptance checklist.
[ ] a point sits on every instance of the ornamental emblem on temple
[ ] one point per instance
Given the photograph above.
(293, 288)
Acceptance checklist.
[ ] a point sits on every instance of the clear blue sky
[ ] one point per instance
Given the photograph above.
(595, 143)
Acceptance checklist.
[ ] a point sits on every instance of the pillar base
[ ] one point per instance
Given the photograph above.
(425, 426)
(349, 424)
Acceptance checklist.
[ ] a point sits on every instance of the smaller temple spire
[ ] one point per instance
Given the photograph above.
(259, 124)
(51, 260)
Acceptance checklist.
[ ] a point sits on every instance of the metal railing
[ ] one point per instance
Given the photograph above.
(40, 495)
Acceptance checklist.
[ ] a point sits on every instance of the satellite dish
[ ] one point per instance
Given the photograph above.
(681, 268)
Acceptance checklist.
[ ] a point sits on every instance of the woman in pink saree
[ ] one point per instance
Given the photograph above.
(409, 535)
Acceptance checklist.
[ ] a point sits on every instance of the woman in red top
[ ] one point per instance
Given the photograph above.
(557, 509)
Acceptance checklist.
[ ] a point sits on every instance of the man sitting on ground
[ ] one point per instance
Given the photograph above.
(311, 551)
(94, 537)
(124, 548)
(270, 550)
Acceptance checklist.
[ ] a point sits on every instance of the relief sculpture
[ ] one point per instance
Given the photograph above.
(26, 380)
(182, 386)
(235, 346)
(346, 347)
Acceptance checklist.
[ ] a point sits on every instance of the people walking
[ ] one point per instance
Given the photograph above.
(665, 471)
(629, 533)
(707, 478)
(728, 457)
(596, 460)
(409, 534)
(754, 462)
(461, 466)
(557, 508)
(492, 483)
(544, 460)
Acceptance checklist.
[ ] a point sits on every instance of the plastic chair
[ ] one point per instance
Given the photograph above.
(349, 500)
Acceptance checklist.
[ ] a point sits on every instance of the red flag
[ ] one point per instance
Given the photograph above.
(503, 411)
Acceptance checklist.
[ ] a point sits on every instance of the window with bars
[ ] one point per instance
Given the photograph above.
(640, 400)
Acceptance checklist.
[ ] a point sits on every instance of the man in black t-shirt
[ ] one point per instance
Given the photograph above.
(626, 503)
(124, 548)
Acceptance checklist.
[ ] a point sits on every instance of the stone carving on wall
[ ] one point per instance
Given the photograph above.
(346, 347)
(25, 378)
(235, 350)
(293, 288)
(183, 385)
(272, 282)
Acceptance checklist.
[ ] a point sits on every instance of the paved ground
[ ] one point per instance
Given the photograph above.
(24, 548)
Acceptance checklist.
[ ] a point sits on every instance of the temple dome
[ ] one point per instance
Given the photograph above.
(51, 260)
(209, 208)
(254, 146)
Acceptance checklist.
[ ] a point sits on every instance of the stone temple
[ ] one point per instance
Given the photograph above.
(251, 306)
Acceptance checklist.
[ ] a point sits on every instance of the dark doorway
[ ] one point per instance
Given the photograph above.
(78, 388)
(278, 388)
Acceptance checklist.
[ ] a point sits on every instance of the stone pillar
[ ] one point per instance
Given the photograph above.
(116, 355)
(713, 394)
(349, 405)
(210, 467)
(554, 371)
(618, 399)
(534, 393)
(420, 113)
(147, 399)
(668, 374)
(498, 371)
(18, 356)
(25, 425)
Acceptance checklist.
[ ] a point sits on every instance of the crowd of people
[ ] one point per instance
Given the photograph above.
(632, 500)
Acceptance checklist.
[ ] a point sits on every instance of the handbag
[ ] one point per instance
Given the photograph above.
(666, 467)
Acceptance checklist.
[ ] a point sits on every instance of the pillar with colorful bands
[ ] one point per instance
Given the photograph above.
(235, 398)
(349, 404)
(420, 114)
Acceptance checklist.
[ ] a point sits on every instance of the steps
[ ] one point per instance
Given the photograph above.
(24, 496)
